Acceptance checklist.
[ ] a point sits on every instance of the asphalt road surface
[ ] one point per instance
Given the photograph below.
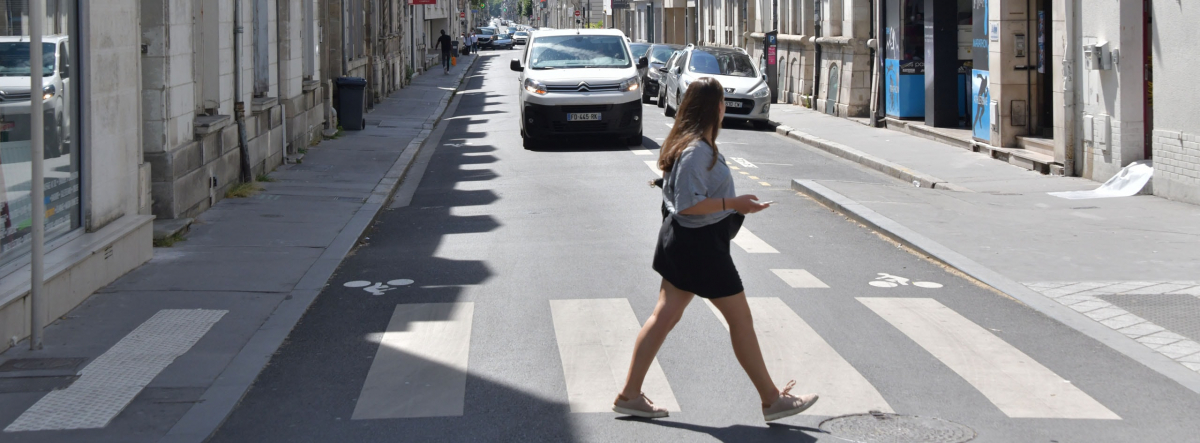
(498, 301)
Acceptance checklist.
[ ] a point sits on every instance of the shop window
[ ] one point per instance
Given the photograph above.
(61, 155)
(262, 49)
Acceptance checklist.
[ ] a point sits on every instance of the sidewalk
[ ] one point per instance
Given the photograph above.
(1124, 270)
(165, 352)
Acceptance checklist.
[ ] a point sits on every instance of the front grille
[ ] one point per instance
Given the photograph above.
(578, 88)
(592, 126)
(586, 108)
(15, 96)
(747, 107)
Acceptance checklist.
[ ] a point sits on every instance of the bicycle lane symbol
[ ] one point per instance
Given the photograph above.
(378, 288)
(885, 280)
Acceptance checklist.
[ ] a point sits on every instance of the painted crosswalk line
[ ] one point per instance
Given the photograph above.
(107, 384)
(420, 368)
(799, 278)
(793, 350)
(640, 150)
(752, 244)
(653, 165)
(595, 340)
(1017, 384)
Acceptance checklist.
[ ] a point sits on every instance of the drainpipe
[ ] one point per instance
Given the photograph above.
(239, 107)
(816, 66)
(37, 193)
(877, 79)
(1069, 62)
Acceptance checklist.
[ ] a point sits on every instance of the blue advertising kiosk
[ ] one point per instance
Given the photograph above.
(904, 65)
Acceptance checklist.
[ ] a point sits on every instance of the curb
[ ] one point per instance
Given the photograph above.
(219, 400)
(917, 178)
(1050, 308)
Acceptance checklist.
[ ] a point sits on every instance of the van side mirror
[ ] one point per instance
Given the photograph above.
(515, 65)
(642, 63)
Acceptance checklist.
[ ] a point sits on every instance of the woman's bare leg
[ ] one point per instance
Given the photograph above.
(745, 344)
(671, 303)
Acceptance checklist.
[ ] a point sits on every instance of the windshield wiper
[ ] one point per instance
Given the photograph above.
(542, 67)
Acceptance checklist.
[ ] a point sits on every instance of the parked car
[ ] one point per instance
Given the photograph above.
(521, 37)
(747, 96)
(657, 56)
(16, 98)
(578, 82)
(484, 36)
(502, 41)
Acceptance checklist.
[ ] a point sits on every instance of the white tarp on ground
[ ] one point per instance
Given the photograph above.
(1129, 181)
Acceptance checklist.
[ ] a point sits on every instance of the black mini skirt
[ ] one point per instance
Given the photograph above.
(697, 260)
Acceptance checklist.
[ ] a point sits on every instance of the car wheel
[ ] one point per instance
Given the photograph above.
(527, 142)
(634, 140)
(761, 124)
(662, 96)
(645, 97)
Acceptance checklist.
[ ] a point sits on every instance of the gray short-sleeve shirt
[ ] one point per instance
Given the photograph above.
(690, 182)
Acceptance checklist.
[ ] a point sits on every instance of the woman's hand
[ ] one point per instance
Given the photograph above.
(745, 204)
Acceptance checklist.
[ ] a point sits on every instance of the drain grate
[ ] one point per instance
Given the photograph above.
(878, 427)
(40, 364)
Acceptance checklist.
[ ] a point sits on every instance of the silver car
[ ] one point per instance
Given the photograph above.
(747, 96)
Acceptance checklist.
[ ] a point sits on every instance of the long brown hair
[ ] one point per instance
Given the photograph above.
(698, 119)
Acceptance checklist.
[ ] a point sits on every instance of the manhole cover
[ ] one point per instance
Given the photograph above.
(877, 427)
(39, 364)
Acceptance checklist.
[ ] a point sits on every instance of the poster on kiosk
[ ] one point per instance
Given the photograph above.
(904, 65)
(981, 98)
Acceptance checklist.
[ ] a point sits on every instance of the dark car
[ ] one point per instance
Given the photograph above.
(657, 55)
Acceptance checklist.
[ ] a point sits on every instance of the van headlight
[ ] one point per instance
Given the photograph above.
(762, 92)
(48, 92)
(630, 85)
(535, 87)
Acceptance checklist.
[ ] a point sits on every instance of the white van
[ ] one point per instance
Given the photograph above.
(15, 96)
(579, 82)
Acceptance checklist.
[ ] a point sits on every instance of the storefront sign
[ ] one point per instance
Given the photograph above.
(422, 2)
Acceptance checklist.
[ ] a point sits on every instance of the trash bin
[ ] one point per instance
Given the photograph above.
(351, 102)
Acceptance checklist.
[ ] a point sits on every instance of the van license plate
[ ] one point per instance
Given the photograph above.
(584, 117)
(729, 104)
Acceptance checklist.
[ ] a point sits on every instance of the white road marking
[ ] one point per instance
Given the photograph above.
(764, 183)
(653, 165)
(753, 177)
(595, 340)
(752, 244)
(638, 150)
(743, 162)
(107, 384)
(1016, 383)
(799, 278)
(793, 350)
(420, 369)
(669, 125)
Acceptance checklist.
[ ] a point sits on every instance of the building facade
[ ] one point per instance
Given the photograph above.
(98, 200)
(1041, 83)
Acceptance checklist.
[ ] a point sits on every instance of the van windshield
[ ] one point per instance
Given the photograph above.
(14, 59)
(579, 51)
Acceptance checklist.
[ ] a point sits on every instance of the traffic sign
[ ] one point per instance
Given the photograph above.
(577, 13)
(462, 15)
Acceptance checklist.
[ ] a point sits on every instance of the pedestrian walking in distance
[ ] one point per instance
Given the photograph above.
(702, 214)
(444, 43)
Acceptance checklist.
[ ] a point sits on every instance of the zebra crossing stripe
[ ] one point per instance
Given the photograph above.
(799, 278)
(107, 384)
(1013, 381)
(420, 369)
(793, 350)
(752, 244)
(595, 341)
(653, 165)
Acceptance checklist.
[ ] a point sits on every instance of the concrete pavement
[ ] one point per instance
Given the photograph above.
(165, 352)
(1129, 265)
